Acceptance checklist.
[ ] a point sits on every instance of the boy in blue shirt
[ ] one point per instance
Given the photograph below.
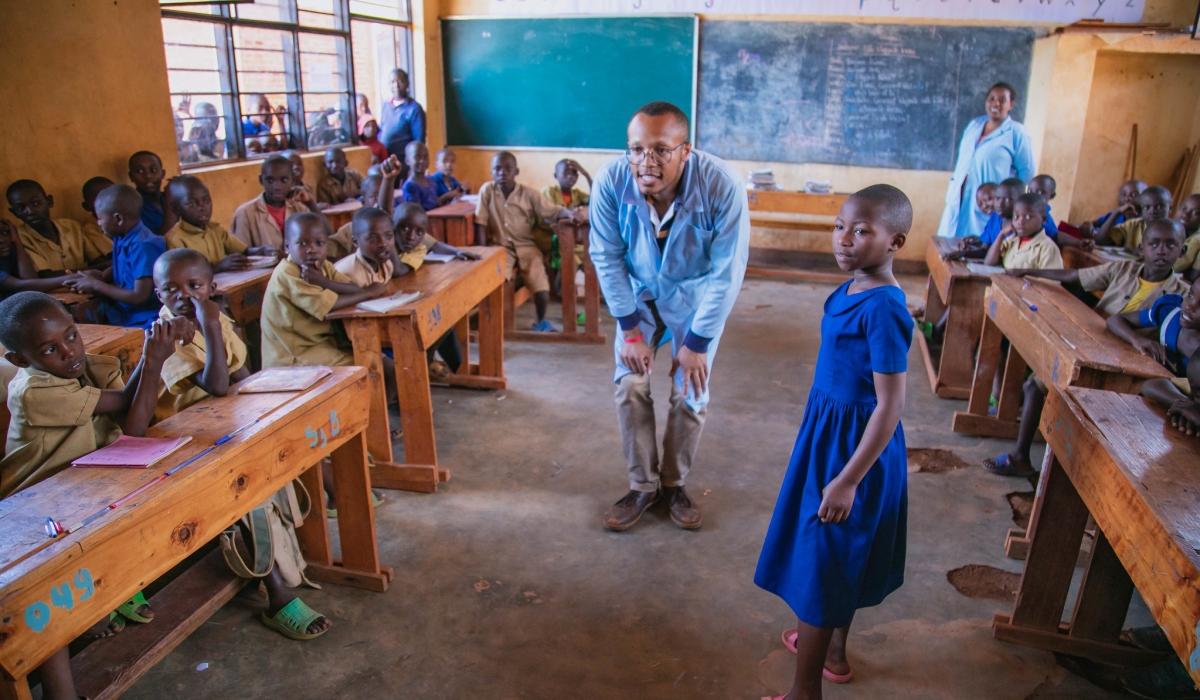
(443, 180)
(146, 173)
(129, 286)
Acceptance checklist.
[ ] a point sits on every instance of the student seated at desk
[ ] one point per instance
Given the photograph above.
(410, 230)
(1126, 209)
(1026, 246)
(419, 188)
(443, 180)
(377, 191)
(146, 173)
(1129, 286)
(206, 365)
(999, 222)
(1188, 214)
(1048, 188)
(1154, 204)
(984, 195)
(510, 210)
(195, 229)
(127, 287)
(91, 188)
(57, 247)
(564, 194)
(1176, 320)
(17, 271)
(340, 183)
(298, 173)
(260, 221)
(66, 404)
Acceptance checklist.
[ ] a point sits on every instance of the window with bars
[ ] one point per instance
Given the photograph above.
(252, 78)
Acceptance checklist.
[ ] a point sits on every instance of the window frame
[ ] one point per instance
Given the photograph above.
(227, 68)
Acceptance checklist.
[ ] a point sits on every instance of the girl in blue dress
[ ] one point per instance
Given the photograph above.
(837, 537)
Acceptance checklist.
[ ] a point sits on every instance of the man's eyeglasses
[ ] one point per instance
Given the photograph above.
(661, 156)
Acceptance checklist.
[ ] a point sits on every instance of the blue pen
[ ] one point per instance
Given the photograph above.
(1029, 304)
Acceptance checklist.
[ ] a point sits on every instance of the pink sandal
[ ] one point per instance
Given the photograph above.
(789, 641)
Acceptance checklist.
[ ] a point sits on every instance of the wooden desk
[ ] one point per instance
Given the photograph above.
(1112, 457)
(51, 591)
(1064, 342)
(591, 335)
(340, 214)
(448, 293)
(454, 224)
(1078, 258)
(243, 292)
(952, 287)
(125, 344)
(84, 308)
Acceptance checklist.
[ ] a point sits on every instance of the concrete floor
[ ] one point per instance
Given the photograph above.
(508, 587)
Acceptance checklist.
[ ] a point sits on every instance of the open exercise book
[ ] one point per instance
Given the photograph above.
(439, 257)
(386, 304)
(275, 379)
(132, 452)
(258, 262)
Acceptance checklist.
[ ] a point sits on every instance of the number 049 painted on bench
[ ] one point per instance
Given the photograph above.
(37, 615)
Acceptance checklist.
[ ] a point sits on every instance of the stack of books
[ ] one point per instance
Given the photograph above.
(818, 187)
(762, 180)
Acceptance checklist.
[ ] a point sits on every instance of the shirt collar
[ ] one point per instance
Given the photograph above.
(193, 230)
(659, 224)
(688, 198)
(400, 103)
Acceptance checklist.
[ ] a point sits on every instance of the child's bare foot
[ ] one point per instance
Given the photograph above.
(1010, 464)
(106, 627)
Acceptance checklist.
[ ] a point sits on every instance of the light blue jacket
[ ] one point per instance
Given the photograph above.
(1006, 152)
(696, 280)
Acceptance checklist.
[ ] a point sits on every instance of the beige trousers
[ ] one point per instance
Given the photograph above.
(635, 415)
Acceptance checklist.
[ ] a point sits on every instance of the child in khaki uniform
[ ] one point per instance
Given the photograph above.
(195, 229)
(91, 188)
(214, 358)
(340, 182)
(508, 211)
(1155, 204)
(1188, 214)
(260, 221)
(1128, 286)
(54, 245)
(376, 192)
(63, 404)
(1026, 246)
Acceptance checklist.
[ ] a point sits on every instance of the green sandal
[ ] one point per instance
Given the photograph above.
(376, 501)
(293, 619)
(129, 609)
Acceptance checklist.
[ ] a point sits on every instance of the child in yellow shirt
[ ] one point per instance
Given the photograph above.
(55, 245)
(91, 188)
(195, 229)
(1154, 202)
(1026, 245)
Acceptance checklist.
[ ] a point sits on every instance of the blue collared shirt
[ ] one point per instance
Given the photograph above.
(995, 223)
(1006, 152)
(443, 187)
(398, 126)
(153, 210)
(695, 279)
(133, 258)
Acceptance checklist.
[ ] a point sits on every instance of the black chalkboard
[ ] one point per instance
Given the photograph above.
(894, 96)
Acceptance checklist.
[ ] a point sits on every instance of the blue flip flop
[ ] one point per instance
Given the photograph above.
(1003, 466)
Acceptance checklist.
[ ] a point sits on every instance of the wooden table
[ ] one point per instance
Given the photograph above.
(1113, 458)
(125, 344)
(1064, 342)
(51, 591)
(84, 308)
(454, 224)
(243, 292)
(591, 335)
(449, 291)
(952, 287)
(340, 214)
(1077, 258)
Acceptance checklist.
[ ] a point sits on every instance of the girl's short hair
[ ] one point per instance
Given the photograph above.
(1012, 91)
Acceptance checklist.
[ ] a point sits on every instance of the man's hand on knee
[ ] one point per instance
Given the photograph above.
(695, 370)
(635, 352)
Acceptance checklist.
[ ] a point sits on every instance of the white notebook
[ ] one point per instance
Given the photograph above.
(385, 304)
(981, 269)
(438, 257)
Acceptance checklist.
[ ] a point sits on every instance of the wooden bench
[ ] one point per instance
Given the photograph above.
(1063, 341)
(591, 335)
(340, 214)
(796, 211)
(125, 344)
(1111, 457)
(53, 590)
(952, 287)
(243, 292)
(454, 224)
(449, 291)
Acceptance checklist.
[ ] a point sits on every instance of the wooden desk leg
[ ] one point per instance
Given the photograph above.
(957, 363)
(313, 535)
(591, 298)
(364, 334)
(935, 308)
(359, 566)
(462, 329)
(975, 420)
(1104, 596)
(1012, 388)
(510, 308)
(419, 471)
(492, 323)
(15, 690)
(566, 256)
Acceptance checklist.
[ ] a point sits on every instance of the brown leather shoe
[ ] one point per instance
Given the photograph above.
(684, 513)
(625, 513)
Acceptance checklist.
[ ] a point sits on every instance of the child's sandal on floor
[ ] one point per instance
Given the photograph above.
(293, 619)
(789, 641)
(129, 609)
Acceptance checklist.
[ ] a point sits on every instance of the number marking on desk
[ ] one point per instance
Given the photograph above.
(1054, 372)
(434, 317)
(317, 437)
(1194, 659)
(992, 308)
(37, 614)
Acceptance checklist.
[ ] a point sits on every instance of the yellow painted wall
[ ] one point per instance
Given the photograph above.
(1158, 92)
(85, 86)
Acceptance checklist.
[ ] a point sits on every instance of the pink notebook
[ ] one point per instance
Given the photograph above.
(132, 452)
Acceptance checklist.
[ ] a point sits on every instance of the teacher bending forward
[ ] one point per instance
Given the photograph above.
(670, 239)
(993, 149)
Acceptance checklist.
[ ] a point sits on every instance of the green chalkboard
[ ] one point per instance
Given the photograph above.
(562, 83)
